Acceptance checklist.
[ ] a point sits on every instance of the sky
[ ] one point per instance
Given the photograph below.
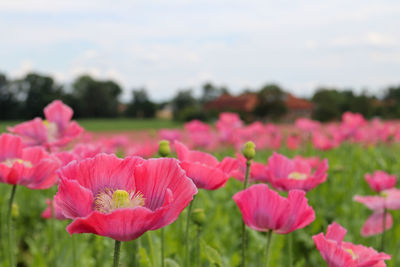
(169, 45)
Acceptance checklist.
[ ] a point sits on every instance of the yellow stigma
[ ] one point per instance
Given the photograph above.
(10, 162)
(384, 194)
(298, 176)
(120, 199)
(353, 255)
(108, 200)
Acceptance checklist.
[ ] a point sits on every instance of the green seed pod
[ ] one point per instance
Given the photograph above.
(198, 216)
(163, 148)
(249, 150)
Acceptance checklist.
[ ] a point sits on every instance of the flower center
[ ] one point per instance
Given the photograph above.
(353, 255)
(297, 176)
(109, 200)
(10, 162)
(51, 130)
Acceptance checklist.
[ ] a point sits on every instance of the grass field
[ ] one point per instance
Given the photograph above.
(113, 125)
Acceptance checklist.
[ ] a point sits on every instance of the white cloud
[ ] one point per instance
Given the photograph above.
(176, 44)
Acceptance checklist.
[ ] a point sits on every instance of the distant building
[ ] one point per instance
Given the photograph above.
(165, 113)
(247, 102)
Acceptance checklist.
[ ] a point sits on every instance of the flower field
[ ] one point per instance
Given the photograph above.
(221, 194)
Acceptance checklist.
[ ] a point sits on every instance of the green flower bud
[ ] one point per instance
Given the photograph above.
(198, 216)
(163, 148)
(249, 150)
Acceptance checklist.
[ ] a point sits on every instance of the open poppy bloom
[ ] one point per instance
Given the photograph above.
(337, 253)
(122, 198)
(57, 130)
(389, 200)
(203, 168)
(32, 167)
(380, 180)
(286, 174)
(264, 209)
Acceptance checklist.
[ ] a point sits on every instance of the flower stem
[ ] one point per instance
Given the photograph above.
(244, 234)
(9, 221)
(383, 229)
(187, 232)
(117, 249)
(246, 179)
(290, 249)
(162, 247)
(198, 246)
(269, 235)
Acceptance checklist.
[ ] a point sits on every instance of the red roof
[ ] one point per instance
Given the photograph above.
(293, 102)
(248, 101)
(245, 102)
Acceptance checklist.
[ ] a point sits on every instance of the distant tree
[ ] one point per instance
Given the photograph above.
(9, 104)
(140, 105)
(327, 104)
(391, 98)
(185, 106)
(271, 102)
(211, 92)
(36, 91)
(96, 98)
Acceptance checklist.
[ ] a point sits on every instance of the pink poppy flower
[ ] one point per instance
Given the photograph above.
(264, 209)
(32, 167)
(122, 198)
(57, 130)
(374, 224)
(324, 142)
(200, 134)
(388, 199)
(80, 151)
(307, 125)
(145, 149)
(380, 180)
(203, 168)
(226, 125)
(293, 142)
(48, 212)
(170, 134)
(312, 161)
(337, 253)
(286, 174)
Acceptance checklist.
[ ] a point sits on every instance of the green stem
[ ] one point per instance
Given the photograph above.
(117, 249)
(9, 221)
(198, 245)
(162, 247)
(269, 235)
(246, 179)
(383, 229)
(150, 239)
(244, 235)
(290, 248)
(187, 232)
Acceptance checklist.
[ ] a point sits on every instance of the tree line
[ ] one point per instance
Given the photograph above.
(25, 98)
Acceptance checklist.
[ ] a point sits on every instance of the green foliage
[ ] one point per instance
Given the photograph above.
(95, 98)
(140, 106)
(331, 103)
(271, 102)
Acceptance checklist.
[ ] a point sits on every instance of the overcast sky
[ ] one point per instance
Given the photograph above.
(173, 44)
